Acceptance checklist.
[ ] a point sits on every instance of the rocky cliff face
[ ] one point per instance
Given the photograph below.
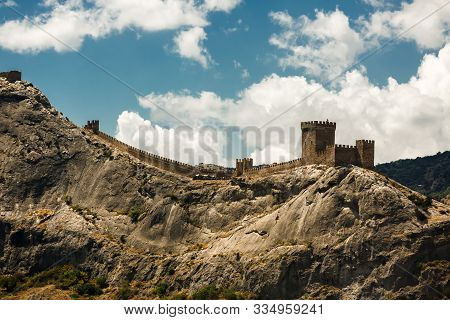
(311, 232)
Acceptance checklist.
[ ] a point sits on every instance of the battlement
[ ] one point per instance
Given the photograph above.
(344, 146)
(149, 158)
(243, 165)
(244, 160)
(316, 124)
(11, 76)
(318, 147)
(93, 125)
(274, 167)
(366, 152)
(366, 141)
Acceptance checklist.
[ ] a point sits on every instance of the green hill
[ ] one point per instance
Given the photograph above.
(428, 175)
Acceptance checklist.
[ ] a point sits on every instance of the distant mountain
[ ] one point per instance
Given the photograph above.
(428, 175)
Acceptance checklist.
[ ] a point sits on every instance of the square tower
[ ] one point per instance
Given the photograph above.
(11, 76)
(318, 140)
(243, 165)
(93, 125)
(366, 153)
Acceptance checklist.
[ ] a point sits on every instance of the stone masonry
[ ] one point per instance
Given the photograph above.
(318, 147)
(11, 76)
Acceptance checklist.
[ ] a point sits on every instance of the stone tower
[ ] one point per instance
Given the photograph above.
(11, 76)
(93, 125)
(318, 139)
(366, 153)
(243, 165)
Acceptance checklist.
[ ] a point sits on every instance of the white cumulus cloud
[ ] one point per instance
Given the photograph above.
(330, 43)
(66, 24)
(431, 33)
(221, 5)
(189, 145)
(8, 3)
(324, 46)
(189, 44)
(374, 3)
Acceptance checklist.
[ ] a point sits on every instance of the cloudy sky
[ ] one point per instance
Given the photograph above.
(234, 78)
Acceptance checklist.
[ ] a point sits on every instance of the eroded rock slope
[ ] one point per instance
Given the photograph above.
(313, 232)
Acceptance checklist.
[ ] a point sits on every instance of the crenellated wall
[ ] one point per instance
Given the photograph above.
(276, 167)
(317, 142)
(345, 155)
(93, 125)
(149, 158)
(318, 147)
(11, 76)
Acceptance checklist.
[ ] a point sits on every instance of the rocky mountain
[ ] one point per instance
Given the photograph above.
(428, 175)
(81, 219)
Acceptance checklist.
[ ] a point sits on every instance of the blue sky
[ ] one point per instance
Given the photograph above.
(239, 46)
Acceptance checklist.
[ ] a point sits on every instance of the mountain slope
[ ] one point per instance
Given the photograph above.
(429, 175)
(66, 197)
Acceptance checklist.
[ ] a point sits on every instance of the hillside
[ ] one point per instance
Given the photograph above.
(428, 175)
(81, 219)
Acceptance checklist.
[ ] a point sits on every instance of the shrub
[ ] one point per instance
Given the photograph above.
(76, 208)
(160, 289)
(88, 289)
(63, 277)
(179, 296)
(67, 199)
(124, 291)
(107, 153)
(101, 282)
(229, 294)
(134, 214)
(9, 283)
(209, 292)
(172, 196)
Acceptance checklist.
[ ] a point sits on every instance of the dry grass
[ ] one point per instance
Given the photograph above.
(43, 213)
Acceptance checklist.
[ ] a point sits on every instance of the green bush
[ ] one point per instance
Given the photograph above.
(88, 289)
(63, 277)
(101, 282)
(160, 289)
(124, 291)
(173, 196)
(9, 283)
(67, 199)
(76, 208)
(107, 153)
(209, 292)
(229, 294)
(179, 296)
(134, 214)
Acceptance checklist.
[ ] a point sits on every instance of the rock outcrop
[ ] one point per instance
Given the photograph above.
(315, 231)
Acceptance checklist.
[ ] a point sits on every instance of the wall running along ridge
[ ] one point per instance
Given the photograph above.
(318, 147)
(151, 159)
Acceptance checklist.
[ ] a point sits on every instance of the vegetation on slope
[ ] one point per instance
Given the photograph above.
(428, 175)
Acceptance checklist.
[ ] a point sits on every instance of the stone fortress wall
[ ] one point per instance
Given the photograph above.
(275, 167)
(144, 156)
(11, 76)
(318, 147)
